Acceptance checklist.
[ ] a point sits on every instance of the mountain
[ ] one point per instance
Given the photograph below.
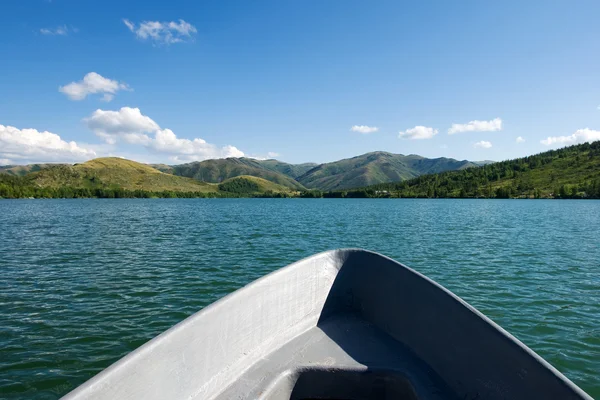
(291, 170)
(373, 168)
(216, 171)
(570, 172)
(484, 162)
(114, 173)
(360, 171)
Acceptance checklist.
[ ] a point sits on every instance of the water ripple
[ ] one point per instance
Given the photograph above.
(84, 282)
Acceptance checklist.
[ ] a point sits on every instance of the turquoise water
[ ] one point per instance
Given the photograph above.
(86, 281)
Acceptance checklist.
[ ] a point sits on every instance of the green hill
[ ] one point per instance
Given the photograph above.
(116, 173)
(217, 171)
(571, 172)
(245, 184)
(373, 168)
(102, 177)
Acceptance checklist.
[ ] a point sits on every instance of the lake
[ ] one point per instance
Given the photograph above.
(86, 281)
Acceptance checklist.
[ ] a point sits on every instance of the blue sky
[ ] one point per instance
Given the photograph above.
(190, 80)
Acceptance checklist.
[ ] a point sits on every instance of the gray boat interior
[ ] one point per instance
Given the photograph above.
(344, 324)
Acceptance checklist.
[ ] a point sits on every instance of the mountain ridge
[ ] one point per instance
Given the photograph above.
(362, 170)
(569, 172)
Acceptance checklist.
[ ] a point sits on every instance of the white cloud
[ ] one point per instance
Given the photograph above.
(93, 83)
(272, 154)
(483, 145)
(131, 126)
(130, 25)
(30, 146)
(58, 31)
(166, 142)
(162, 32)
(128, 124)
(580, 136)
(418, 132)
(520, 139)
(477, 126)
(364, 129)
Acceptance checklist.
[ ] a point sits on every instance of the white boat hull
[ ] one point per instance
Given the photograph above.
(346, 324)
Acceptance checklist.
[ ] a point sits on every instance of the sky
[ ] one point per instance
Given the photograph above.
(300, 81)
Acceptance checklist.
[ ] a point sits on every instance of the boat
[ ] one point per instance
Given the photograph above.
(343, 324)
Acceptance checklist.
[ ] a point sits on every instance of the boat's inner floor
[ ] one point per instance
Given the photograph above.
(343, 357)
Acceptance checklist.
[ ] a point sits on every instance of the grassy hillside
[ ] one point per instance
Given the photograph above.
(217, 171)
(115, 173)
(373, 168)
(571, 172)
(102, 177)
